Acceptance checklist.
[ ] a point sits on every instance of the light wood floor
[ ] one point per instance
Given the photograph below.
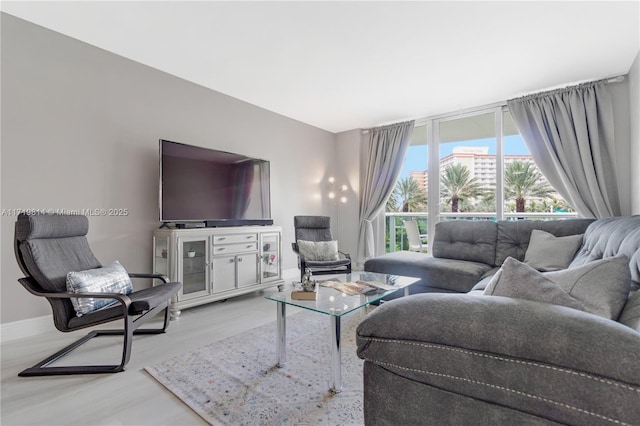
(131, 397)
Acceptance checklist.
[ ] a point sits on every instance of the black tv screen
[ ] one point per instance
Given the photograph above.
(206, 185)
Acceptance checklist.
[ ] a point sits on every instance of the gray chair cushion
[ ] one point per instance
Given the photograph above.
(141, 301)
(474, 241)
(312, 228)
(315, 264)
(50, 226)
(49, 260)
(51, 246)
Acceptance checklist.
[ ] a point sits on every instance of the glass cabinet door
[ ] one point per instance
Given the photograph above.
(269, 257)
(160, 255)
(193, 267)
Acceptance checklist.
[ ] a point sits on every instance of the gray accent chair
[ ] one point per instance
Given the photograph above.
(450, 359)
(47, 247)
(318, 228)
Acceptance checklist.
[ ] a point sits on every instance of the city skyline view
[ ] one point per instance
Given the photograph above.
(418, 157)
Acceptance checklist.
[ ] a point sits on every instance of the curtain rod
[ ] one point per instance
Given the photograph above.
(616, 79)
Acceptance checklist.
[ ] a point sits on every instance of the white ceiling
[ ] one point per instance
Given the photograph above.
(346, 65)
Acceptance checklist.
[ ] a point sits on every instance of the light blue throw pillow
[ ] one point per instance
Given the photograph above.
(109, 279)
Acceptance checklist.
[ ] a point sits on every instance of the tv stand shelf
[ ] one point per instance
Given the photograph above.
(218, 263)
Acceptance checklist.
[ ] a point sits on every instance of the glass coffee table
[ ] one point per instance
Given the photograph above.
(334, 303)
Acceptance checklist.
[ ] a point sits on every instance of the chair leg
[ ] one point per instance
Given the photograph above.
(42, 369)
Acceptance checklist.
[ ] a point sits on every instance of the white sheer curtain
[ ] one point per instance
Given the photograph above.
(383, 159)
(570, 134)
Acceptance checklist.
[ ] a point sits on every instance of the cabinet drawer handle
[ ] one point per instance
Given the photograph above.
(231, 260)
(222, 249)
(239, 259)
(222, 238)
(249, 237)
(250, 246)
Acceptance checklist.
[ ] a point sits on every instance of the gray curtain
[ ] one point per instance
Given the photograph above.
(571, 138)
(383, 158)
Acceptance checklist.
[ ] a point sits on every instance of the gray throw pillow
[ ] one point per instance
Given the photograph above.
(109, 279)
(318, 250)
(600, 287)
(546, 252)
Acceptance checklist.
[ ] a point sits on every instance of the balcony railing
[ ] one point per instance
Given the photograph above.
(396, 237)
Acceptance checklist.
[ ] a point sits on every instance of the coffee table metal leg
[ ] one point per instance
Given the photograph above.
(336, 362)
(282, 334)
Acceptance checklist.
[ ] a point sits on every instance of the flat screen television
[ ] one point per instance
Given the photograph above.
(213, 187)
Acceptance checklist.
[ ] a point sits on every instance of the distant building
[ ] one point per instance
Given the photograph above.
(421, 177)
(480, 163)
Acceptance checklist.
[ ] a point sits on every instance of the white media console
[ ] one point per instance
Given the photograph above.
(218, 263)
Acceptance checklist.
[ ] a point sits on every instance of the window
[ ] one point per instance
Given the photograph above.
(471, 165)
(467, 165)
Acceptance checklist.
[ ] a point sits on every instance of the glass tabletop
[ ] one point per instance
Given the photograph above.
(332, 301)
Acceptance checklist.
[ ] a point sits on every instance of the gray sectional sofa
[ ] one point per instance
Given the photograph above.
(449, 358)
(466, 251)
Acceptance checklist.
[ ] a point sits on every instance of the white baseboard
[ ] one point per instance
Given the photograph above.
(26, 328)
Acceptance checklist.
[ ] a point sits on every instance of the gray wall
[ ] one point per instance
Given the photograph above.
(80, 129)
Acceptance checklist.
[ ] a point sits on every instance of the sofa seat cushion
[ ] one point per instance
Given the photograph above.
(448, 274)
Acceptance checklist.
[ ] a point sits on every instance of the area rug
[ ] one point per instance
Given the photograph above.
(236, 382)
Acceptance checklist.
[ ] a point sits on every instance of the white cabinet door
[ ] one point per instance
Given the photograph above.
(247, 267)
(270, 257)
(224, 273)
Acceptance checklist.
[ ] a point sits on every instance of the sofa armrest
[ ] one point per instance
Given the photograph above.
(533, 357)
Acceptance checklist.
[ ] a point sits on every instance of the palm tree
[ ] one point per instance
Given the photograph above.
(408, 196)
(457, 184)
(523, 180)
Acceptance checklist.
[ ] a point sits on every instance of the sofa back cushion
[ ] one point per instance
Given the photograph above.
(513, 235)
(611, 237)
(472, 240)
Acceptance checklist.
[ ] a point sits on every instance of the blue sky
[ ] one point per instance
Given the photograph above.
(417, 156)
